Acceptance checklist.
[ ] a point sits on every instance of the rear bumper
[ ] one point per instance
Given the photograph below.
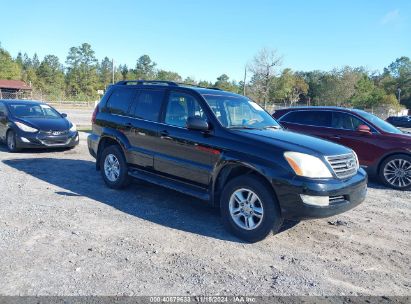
(350, 192)
(26, 140)
(92, 143)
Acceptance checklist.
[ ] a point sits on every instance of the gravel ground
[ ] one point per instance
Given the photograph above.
(62, 232)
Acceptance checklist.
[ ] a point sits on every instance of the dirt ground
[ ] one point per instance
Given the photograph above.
(62, 232)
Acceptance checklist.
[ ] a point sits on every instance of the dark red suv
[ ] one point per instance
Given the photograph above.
(382, 149)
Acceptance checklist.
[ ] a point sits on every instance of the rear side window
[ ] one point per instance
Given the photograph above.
(120, 100)
(148, 104)
(309, 118)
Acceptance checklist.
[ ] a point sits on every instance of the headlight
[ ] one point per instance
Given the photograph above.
(73, 128)
(25, 128)
(356, 159)
(307, 165)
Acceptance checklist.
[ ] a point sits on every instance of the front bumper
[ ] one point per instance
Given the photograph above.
(45, 140)
(345, 194)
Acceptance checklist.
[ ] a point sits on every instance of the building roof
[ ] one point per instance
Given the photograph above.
(13, 84)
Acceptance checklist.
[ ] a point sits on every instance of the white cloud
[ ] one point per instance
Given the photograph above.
(391, 17)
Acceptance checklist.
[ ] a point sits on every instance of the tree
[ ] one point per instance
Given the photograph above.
(205, 84)
(105, 71)
(50, 77)
(288, 87)
(398, 76)
(145, 68)
(82, 77)
(168, 76)
(314, 82)
(264, 67)
(190, 80)
(35, 62)
(9, 69)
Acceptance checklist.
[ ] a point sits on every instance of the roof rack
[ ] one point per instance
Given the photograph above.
(197, 86)
(162, 82)
(146, 82)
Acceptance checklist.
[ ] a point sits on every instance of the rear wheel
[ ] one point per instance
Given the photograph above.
(395, 172)
(114, 169)
(249, 209)
(11, 141)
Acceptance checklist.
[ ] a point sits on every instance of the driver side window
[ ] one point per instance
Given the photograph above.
(345, 121)
(180, 107)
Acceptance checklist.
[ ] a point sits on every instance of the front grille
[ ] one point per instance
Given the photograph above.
(55, 141)
(344, 166)
(56, 133)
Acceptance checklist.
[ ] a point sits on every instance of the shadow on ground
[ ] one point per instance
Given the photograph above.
(149, 202)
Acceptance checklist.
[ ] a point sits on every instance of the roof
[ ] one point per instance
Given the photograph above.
(319, 108)
(171, 84)
(20, 101)
(13, 84)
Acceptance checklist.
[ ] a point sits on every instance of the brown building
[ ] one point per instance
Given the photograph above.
(14, 89)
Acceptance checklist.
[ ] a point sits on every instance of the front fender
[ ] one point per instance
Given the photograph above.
(272, 171)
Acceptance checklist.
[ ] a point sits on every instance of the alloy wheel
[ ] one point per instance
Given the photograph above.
(246, 209)
(112, 168)
(397, 172)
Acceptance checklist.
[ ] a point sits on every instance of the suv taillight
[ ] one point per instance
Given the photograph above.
(93, 117)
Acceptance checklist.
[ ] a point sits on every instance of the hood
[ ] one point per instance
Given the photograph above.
(404, 138)
(291, 141)
(47, 124)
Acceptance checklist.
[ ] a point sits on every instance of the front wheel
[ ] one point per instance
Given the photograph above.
(249, 209)
(395, 172)
(114, 169)
(11, 141)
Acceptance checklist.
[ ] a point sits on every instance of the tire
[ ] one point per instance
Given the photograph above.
(11, 142)
(114, 168)
(395, 172)
(264, 212)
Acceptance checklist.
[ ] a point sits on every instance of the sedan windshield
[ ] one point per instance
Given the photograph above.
(383, 125)
(240, 112)
(21, 110)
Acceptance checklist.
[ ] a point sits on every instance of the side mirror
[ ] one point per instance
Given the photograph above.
(64, 115)
(197, 123)
(364, 129)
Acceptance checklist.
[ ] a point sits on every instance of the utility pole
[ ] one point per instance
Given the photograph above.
(245, 78)
(399, 95)
(112, 69)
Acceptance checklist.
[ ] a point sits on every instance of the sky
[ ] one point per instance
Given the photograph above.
(204, 39)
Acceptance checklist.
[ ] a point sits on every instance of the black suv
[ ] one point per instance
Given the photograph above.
(225, 149)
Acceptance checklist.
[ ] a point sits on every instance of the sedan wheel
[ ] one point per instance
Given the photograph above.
(11, 141)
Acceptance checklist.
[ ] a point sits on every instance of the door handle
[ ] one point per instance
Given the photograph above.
(335, 137)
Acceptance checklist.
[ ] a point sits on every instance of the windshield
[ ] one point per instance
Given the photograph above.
(383, 125)
(33, 111)
(239, 112)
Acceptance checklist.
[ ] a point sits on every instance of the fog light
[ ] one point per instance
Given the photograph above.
(315, 200)
(23, 139)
